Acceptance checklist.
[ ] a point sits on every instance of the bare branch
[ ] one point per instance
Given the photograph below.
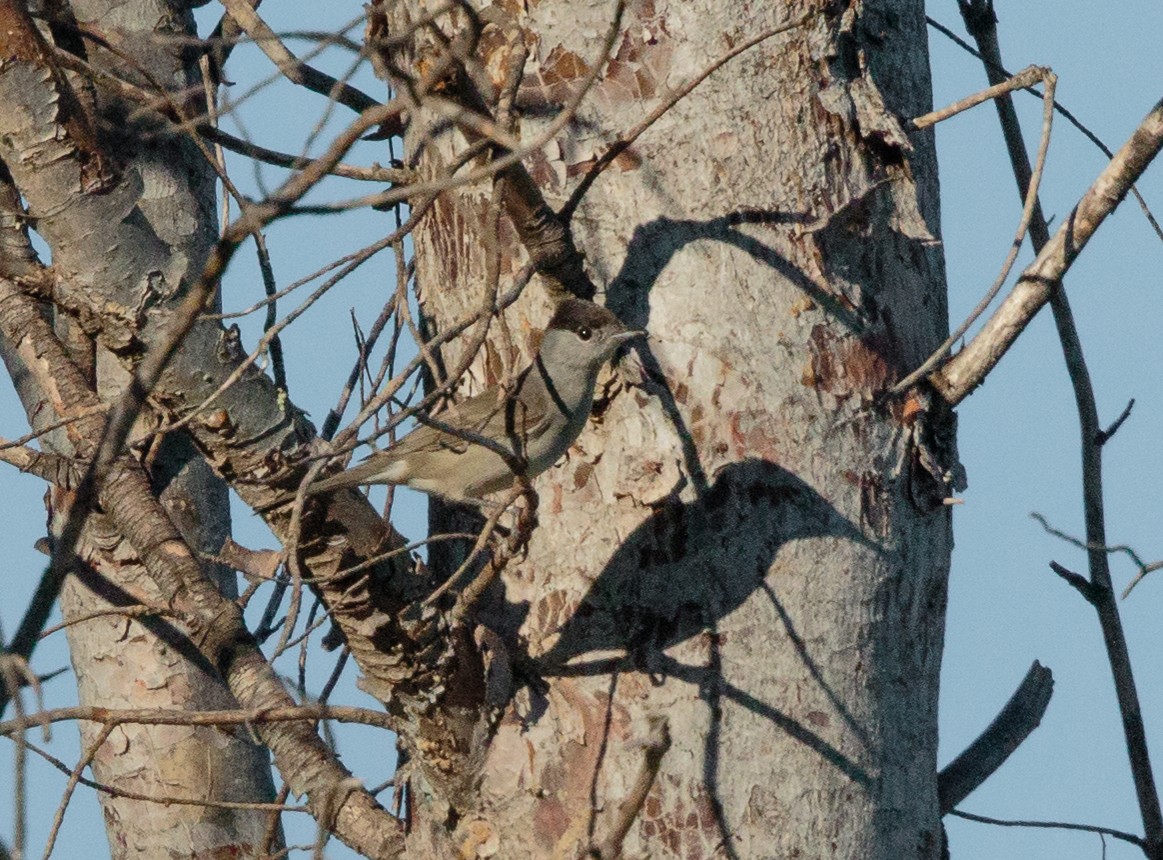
(1143, 571)
(1028, 207)
(966, 370)
(1013, 724)
(654, 748)
(83, 762)
(1054, 825)
(518, 540)
(168, 717)
(1042, 282)
(1024, 79)
(141, 610)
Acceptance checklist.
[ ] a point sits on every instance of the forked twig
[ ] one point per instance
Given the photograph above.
(1019, 81)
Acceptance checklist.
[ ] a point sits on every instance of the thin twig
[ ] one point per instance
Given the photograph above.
(1022, 80)
(627, 812)
(1029, 204)
(270, 287)
(1143, 572)
(331, 422)
(55, 425)
(1144, 567)
(399, 176)
(137, 611)
(516, 544)
(12, 670)
(482, 541)
(114, 791)
(70, 787)
(226, 717)
(1054, 825)
(1063, 112)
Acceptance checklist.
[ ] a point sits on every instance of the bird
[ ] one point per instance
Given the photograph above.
(534, 421)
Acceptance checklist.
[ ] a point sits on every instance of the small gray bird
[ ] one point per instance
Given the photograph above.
(534, 423)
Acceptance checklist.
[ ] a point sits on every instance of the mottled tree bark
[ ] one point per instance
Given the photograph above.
(745, 543)
(128, 211)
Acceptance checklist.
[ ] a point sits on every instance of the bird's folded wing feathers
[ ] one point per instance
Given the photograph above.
(483, 415)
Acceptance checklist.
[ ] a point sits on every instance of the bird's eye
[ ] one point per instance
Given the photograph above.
(584, 332)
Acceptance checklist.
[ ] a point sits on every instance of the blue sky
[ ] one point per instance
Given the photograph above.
(1018, 440)
(1019, 435)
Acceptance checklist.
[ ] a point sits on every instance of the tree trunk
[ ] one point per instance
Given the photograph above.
(128, 212)
(745, 546)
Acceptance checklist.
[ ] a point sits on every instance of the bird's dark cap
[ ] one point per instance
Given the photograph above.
(573, 314)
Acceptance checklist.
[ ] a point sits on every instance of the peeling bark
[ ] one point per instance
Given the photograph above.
(736, 544)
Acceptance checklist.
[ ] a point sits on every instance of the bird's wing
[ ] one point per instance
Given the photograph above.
(508, 421)
(490, 414)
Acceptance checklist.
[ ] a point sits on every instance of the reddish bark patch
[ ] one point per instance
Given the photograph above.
(689, 827)
(818, 718)
(843, 367)
(542, 171)
(550, 821)
(560, 71)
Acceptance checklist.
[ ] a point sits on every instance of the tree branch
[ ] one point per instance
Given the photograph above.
(968, 369)
(297, 71)
(168, 717)
(1013, 724)
(1029, 205)
(1054, 825)
(626, 812)
(1041, 283)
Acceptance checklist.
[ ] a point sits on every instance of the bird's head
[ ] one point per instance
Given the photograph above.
(583, 336)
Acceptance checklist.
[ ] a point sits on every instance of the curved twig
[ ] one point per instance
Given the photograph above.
(1049, 81)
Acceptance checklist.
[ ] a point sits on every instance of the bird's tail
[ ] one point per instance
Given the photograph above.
(377, 469)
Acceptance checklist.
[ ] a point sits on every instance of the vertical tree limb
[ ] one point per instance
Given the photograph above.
(1041, 283)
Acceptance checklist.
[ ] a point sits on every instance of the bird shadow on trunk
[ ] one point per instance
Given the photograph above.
(678, 575)
(690, 564)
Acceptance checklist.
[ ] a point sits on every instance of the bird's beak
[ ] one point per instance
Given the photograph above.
(624, 336)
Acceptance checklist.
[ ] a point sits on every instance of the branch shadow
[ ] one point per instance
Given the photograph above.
(655, 243)
(690, 564)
